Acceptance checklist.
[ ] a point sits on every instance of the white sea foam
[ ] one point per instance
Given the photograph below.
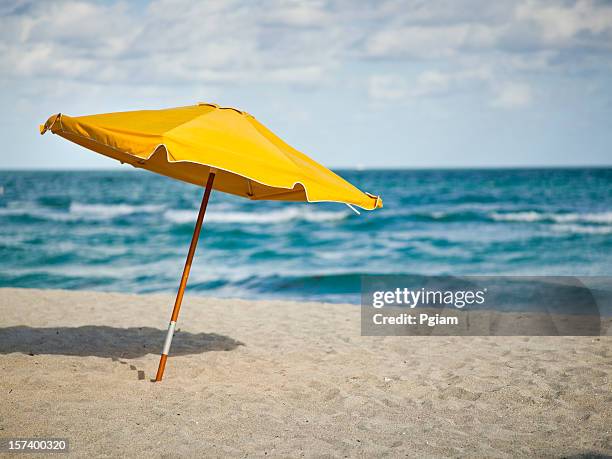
(582, 229)
(35, 212)
(532, 216)
(271, 217)
(79, 211)
(108, 211)
(12, 211)
(603, 218)
(181, 216)
(518, 217)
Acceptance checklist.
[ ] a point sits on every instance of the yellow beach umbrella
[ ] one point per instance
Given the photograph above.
(225, 148)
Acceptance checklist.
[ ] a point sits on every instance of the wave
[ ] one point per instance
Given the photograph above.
(582, 229)
(271, 217)
(109, 211)
(12, 211)
(585, 223)
(34, 214)
(527, 216)
(78, 211)
(446, 217)
(533, 216)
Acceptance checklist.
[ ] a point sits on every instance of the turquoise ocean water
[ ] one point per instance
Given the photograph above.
(130, 230)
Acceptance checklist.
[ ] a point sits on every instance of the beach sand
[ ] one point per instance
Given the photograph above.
(277, 378)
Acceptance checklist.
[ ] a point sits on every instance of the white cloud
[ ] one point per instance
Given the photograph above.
(432, 82)
(512, 95)
(561, 24)
(427, 31)
(397, 88)
(451, 46)
(430, 42)
(387, 88)
(299, 14)
(171, 41)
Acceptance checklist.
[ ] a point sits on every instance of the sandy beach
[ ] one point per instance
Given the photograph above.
(257, 378)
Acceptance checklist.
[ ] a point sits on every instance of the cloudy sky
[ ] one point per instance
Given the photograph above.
(413, 83)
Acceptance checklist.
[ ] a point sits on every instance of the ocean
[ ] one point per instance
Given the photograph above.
(129, 231)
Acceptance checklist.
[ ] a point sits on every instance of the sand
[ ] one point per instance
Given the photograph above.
(263, 378)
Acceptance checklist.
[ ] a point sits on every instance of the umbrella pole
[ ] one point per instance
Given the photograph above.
(183, 284)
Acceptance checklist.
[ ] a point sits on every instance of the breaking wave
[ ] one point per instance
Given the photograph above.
(109, 211)
(532, 216)
(270, 217)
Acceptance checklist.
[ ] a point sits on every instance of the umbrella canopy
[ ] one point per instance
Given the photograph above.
(185, 142)
(224, 147)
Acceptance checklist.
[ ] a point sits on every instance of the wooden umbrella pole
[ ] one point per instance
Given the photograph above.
(183, 284)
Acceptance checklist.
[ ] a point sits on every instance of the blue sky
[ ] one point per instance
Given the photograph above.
(458, 83)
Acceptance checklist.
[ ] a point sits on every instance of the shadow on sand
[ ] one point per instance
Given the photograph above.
(103, 341)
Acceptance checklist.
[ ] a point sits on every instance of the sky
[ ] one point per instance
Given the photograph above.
(353, 84)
